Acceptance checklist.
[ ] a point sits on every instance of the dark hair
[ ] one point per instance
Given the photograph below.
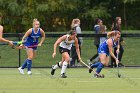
(72, 32)
(97, 20)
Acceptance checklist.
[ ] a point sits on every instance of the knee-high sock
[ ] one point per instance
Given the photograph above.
(99, 68)
(64, 66)
(57, 65)
(95, 65)
(24, 64)
(29, 64)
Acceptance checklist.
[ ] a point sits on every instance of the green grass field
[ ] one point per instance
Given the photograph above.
(78, 81)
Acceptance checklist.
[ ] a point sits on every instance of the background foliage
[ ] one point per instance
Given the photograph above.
(56, 15)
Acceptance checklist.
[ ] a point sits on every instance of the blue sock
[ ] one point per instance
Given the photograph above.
(99, 68)
(24, 64)
(95, 65)
(29, 64)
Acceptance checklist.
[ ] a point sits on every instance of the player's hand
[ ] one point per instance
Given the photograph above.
(21, 46)
(80, 60)
(117, 51)
(39, 44)
(54, 54)
(11, 43)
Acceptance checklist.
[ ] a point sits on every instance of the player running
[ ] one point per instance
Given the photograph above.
(30, 40)
(65, 43)
(105, 50)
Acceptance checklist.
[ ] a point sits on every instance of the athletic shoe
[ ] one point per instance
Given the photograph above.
(29, 73)
(53, 70)
(90, 70)
(99, 76)
(120, 65)
(21, 70)
(63, 75)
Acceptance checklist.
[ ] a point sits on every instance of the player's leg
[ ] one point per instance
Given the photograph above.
(66, 58)
(54, 67)
(102, 63)
(27, 62)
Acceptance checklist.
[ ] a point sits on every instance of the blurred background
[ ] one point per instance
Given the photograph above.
(56, 15)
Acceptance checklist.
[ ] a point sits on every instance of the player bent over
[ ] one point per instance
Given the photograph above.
(65, 43)
(105, 50)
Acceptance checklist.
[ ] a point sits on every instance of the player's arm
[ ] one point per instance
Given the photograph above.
(1, 36)
(59, 40)
(26, 35)
(110, 43)
(110, 34)
(42, 38)
(77, 49)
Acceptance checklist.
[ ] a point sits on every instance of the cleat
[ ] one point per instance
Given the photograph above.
(90, 70)
(99, 76)
(29, 73)
(53, 71)
(63, 75)
(21, 70)
(120, 65)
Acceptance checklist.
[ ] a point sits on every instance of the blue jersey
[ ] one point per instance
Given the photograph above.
(103, 48)
(32, 39)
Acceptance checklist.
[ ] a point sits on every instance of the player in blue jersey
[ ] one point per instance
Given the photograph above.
(105, 50)
(31, 43)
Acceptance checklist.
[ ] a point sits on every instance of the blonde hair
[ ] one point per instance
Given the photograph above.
(112, 33)
(74, 21)
(35, 20)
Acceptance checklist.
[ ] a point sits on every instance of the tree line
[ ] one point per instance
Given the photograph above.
(56, 15)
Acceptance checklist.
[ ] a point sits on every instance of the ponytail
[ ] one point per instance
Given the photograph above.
(112, 33)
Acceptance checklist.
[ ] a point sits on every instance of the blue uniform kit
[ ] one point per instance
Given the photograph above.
(32, 39)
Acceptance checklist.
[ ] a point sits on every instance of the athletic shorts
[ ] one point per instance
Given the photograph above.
(62, 50)
(34, 48)
(102, 50)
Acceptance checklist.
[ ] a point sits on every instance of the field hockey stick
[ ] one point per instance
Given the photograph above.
(16, 44)
(90, 68)
(119, 75)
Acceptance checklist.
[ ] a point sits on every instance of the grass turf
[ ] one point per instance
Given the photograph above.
(78, 81)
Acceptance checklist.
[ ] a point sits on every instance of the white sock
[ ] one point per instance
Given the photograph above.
(64, 66)
(56, 66)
